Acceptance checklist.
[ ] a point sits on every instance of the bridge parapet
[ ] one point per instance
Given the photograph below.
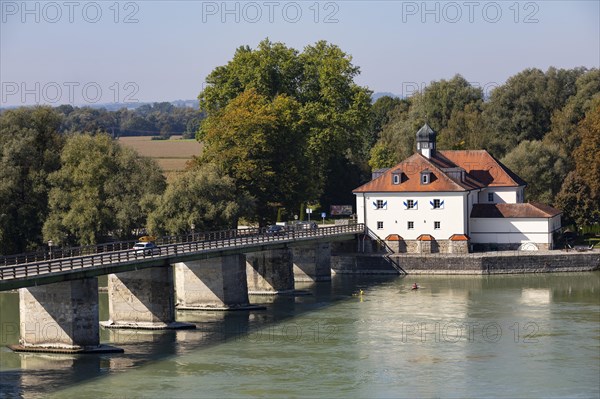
(55, 270)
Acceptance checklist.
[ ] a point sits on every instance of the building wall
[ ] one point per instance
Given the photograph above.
(472, 199)
(511, 230)
(360, 209)
(502, 195)
(395, 218)
(555, 223)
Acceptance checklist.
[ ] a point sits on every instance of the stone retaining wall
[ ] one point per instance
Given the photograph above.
(479, 263)
(362, 264)
(426, 247)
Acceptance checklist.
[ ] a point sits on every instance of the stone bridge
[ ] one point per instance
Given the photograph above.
(58, 295)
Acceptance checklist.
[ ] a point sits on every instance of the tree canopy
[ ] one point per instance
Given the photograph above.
(443, 104)
(532, 122)
(31, 147)
(100, 189)
(522, 108)
(305, 105)
(579, 196)
(163, 119)
(202, 197)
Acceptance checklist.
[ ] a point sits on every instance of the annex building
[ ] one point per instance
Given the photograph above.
(453, 202)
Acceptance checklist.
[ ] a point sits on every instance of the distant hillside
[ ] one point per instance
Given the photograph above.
(380, 94)
(130, 106)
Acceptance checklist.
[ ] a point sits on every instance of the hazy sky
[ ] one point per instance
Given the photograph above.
(84, 52)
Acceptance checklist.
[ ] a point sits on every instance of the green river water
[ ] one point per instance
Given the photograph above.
(535, 335)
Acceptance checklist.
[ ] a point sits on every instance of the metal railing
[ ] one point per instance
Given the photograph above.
(196, 243)
(69, 252)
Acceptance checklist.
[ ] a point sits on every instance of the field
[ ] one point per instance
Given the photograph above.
(171, 155)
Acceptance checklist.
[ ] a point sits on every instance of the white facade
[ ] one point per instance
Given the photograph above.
(453, 192)
(514, 230)
(393, 215)
(501, 195)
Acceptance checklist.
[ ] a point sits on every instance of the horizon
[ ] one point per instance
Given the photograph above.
(64, 53)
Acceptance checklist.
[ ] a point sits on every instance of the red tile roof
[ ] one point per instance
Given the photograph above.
(483, 167)
(459, 237)
(425, 237)
(528, 210)
(480, 170)
(393, 237)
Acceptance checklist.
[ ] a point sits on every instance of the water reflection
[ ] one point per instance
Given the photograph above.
(517, 335)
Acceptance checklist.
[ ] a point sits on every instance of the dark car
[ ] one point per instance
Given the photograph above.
(275, 230)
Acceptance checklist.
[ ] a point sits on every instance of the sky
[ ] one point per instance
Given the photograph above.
(100, 52)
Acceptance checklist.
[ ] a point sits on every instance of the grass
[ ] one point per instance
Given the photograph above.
(171, 155)
(172, 164)
(163, 149)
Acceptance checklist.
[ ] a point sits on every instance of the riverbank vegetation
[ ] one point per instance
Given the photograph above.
(281, 128)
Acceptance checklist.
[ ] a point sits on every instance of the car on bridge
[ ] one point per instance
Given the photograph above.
(275, 230)
(305, 226)
(146, 248)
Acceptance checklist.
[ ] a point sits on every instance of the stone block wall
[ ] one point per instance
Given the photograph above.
(428, 247)
(362, 264)
(478, 263)
(459, 247)
(411, 246)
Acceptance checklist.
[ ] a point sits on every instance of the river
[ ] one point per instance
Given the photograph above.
(532, 336)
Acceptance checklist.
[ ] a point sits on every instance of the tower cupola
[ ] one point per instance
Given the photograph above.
(426, 141)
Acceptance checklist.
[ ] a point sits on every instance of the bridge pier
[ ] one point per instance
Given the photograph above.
(61, 318)
(270, 272)
(312, 262)
(212, 284)
(142, 299)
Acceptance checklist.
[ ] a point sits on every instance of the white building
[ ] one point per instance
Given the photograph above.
(447, 200)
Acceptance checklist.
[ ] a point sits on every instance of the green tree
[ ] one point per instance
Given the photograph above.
(522, 108)
(380, 115)
(448, 106)
(576, 201)
(397, 138)
(464, 130)
(202, 197)
(443, 98)
(540, 165)
(382, 156)
(31, 146)
(564, 131)
(587, 154)
(333, 110)
(579, 197)
(261, 144)
(101, 189)
(337, 111)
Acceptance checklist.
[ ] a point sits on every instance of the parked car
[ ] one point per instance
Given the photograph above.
(275, 230)
(146, 248)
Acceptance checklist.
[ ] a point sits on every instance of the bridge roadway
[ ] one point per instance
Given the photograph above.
(50, 271)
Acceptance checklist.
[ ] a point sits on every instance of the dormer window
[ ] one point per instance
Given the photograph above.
(396, 178)
(425, 177)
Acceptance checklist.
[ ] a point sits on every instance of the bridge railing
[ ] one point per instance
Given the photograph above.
(214, 240)
(68, 252)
